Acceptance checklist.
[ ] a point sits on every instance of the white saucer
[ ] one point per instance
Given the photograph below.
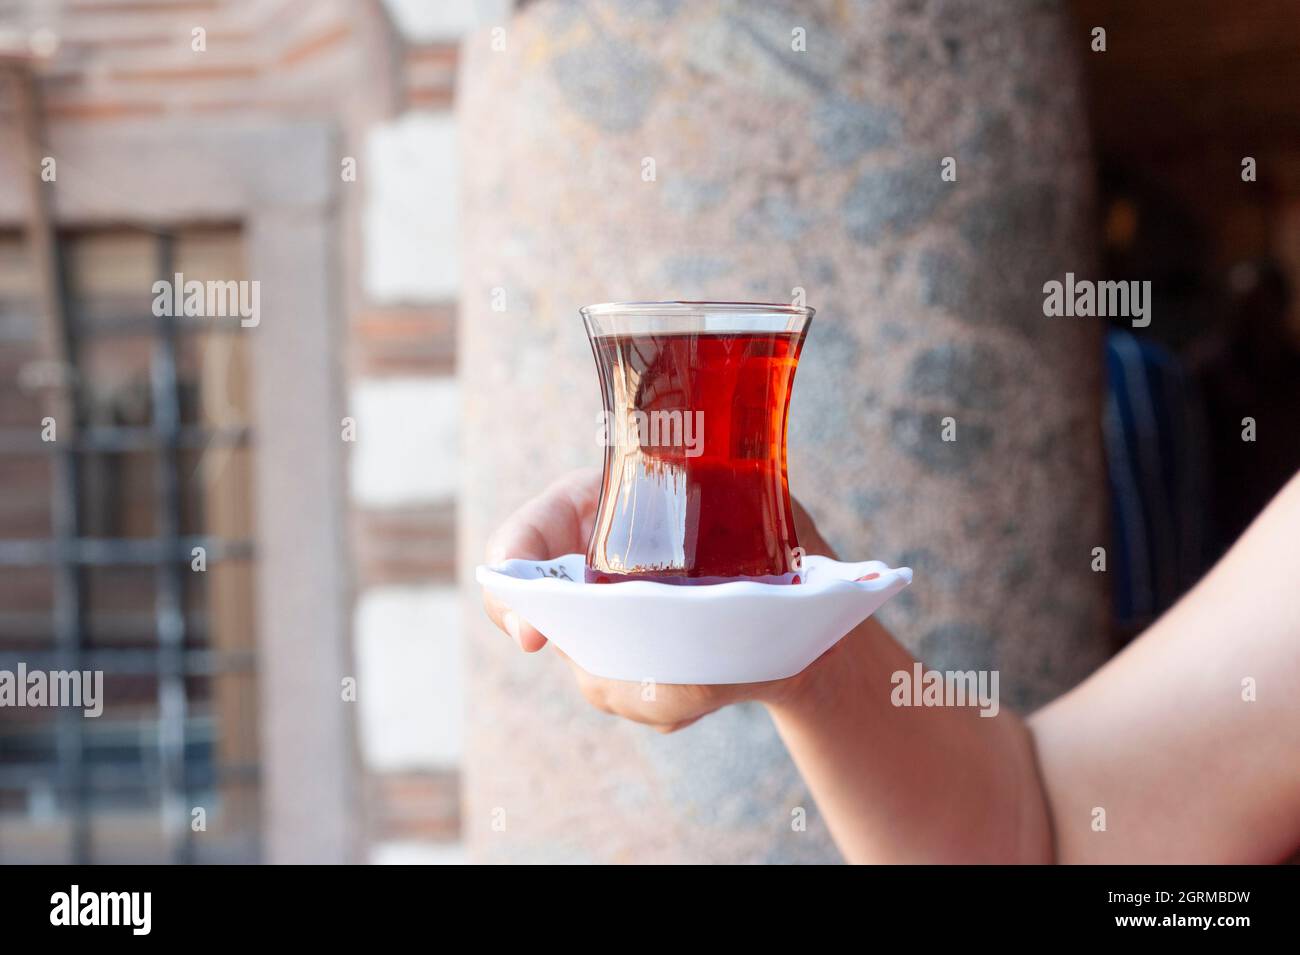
(737, 632)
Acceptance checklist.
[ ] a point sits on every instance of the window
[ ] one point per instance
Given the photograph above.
(125, 549)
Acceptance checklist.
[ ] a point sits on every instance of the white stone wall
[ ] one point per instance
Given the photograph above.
(409, 688)
(407, 439)
(409, 226)
(408, 638)
(407, 852)
(426, 20)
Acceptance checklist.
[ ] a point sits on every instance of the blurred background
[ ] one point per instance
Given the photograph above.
(314, 146)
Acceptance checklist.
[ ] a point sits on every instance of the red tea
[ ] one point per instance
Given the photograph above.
(695, 488)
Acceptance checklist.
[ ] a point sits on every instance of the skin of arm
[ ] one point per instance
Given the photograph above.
(1190, 738)
(1162, 738)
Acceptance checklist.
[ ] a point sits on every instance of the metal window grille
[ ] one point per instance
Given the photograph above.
(68, 552)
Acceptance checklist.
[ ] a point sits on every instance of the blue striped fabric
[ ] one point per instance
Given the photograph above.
(1156, 463)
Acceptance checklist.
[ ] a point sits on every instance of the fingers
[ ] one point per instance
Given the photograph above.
(681, 725)
(557, 522)
(521, 537)
(529, 639)
(521, 540)
(593, 689)
(582, 488)
(626, 699)
(554, 523)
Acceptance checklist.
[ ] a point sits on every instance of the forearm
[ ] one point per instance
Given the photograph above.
(1197, 720)
(1186, 747)
(909, 784)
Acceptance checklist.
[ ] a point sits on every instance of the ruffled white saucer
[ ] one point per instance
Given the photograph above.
(736, 632)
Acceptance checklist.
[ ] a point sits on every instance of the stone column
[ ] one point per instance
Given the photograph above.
(745, 151)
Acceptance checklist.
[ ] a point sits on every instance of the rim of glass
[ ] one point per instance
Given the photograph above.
(686, 309)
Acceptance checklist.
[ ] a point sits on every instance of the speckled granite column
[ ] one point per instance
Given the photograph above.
(775, 169)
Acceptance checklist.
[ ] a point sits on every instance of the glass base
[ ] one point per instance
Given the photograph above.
(593, 576)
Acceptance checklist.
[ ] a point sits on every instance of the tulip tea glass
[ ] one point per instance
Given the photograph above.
(696, 403)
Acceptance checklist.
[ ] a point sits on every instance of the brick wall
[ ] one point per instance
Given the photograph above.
(384, 74)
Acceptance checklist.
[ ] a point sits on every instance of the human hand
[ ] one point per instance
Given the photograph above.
(558, 522)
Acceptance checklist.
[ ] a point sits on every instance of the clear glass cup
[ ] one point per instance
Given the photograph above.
(696, 404)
